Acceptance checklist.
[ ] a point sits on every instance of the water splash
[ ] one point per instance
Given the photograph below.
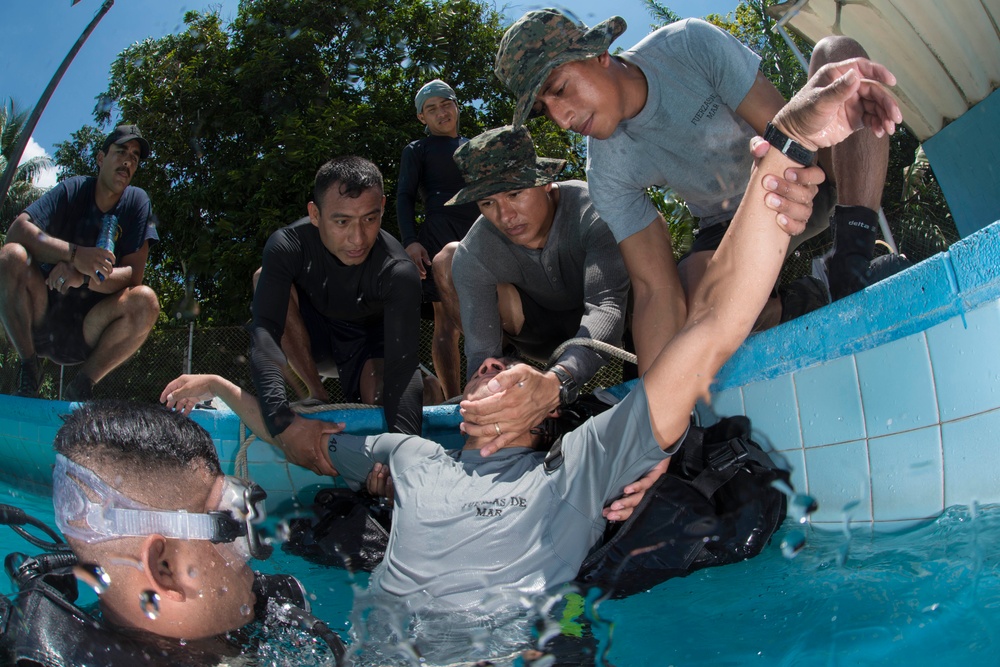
(792, 544)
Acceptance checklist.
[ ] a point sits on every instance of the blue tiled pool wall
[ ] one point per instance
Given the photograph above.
(886, 405)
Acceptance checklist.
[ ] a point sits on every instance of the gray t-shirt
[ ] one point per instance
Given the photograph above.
(687, 136)
(580, 264)
(469, 530)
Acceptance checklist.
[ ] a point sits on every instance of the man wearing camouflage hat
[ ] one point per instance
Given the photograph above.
(678, 110)
(538, 267)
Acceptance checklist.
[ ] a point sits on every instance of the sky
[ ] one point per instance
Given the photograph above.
(39, 33)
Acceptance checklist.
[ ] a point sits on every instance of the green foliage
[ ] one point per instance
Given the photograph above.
(240, 117)
(752, 25)
(23, 190)
(78, 156)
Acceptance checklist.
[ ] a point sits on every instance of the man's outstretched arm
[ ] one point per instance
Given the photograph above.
(839, 99)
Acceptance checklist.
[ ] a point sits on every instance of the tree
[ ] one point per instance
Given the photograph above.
(23, 190)
(78, 156)
(240, 117)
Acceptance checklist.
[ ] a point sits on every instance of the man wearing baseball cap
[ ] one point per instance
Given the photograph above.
(677, 110)
(64, 298)
(428, 173)
(539, 267)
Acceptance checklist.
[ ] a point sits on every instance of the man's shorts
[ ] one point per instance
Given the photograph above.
(544, 329)
(825, 200)
(347, 344)
(434, 234)
(60, 336)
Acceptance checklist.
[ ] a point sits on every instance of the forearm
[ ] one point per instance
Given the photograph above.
(42, 247)
(244, 404)
(659, 308)
(725, 305)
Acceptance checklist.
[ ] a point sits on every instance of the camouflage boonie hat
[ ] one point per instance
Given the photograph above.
(501, 160)
(540, 41)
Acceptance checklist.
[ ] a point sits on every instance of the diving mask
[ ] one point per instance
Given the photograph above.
(113, 515)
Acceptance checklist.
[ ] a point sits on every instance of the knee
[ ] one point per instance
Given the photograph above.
(256, 277)
(834, 49)
(14, 263)
(441, 264)
(143, 305)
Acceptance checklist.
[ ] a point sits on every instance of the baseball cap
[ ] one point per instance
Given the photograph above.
(124, 134)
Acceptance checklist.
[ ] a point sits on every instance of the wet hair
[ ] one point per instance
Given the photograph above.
(354, 174)
(140, 436)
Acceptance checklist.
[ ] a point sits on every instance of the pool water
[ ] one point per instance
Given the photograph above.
(930, 595)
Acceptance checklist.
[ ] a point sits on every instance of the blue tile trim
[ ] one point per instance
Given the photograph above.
(941, 287)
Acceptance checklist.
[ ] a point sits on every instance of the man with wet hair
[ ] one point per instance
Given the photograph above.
(538, 268)
(130, 480)
(427, 172)
(65, 298)
(677, 110)
(335, 289)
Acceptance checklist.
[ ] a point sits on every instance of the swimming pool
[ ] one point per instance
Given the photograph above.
(855, 597)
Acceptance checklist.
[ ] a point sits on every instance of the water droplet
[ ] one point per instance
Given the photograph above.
(149, 603)
(94, 576)
(801, 506)
(282, 531)
(792, 544)
(193, 572)
(245, 610)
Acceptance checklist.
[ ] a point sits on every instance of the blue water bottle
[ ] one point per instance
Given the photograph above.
(109, 234)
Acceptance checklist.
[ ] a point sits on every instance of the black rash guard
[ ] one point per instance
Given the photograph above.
(427, 170)
(385, 286)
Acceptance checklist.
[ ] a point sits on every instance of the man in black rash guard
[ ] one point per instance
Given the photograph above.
(427, 172)
(333, 287)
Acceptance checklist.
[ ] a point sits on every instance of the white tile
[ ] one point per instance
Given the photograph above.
(840, 481)
(907, 475)
(829, 403)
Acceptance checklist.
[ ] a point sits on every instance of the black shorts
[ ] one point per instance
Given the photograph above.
(709, 238)
(347, 344)
(60, 336)
(544, 329)
(434, 234)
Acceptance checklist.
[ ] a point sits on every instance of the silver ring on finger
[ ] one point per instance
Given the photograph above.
(496, 426)
(62, 280)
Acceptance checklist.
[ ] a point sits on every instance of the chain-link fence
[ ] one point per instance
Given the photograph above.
(169, 352)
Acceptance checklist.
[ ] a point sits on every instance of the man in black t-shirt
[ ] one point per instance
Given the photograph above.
(335, 289)
(64, 298)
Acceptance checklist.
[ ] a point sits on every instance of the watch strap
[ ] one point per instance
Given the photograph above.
(568, 389)
(791, 148)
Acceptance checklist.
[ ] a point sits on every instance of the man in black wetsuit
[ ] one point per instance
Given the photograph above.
(334, 288)
(427, 171)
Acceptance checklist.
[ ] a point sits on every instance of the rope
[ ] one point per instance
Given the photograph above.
(598, 345)
(247, 437)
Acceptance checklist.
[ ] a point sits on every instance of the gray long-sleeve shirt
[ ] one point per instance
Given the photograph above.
(579, 264)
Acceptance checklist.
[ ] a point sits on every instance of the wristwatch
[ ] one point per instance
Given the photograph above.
(793, 149)
(568, 390)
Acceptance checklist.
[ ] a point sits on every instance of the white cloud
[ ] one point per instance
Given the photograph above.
(47, 178)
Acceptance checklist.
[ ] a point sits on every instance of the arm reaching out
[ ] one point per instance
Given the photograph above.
(839, 99)
(304, 442)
